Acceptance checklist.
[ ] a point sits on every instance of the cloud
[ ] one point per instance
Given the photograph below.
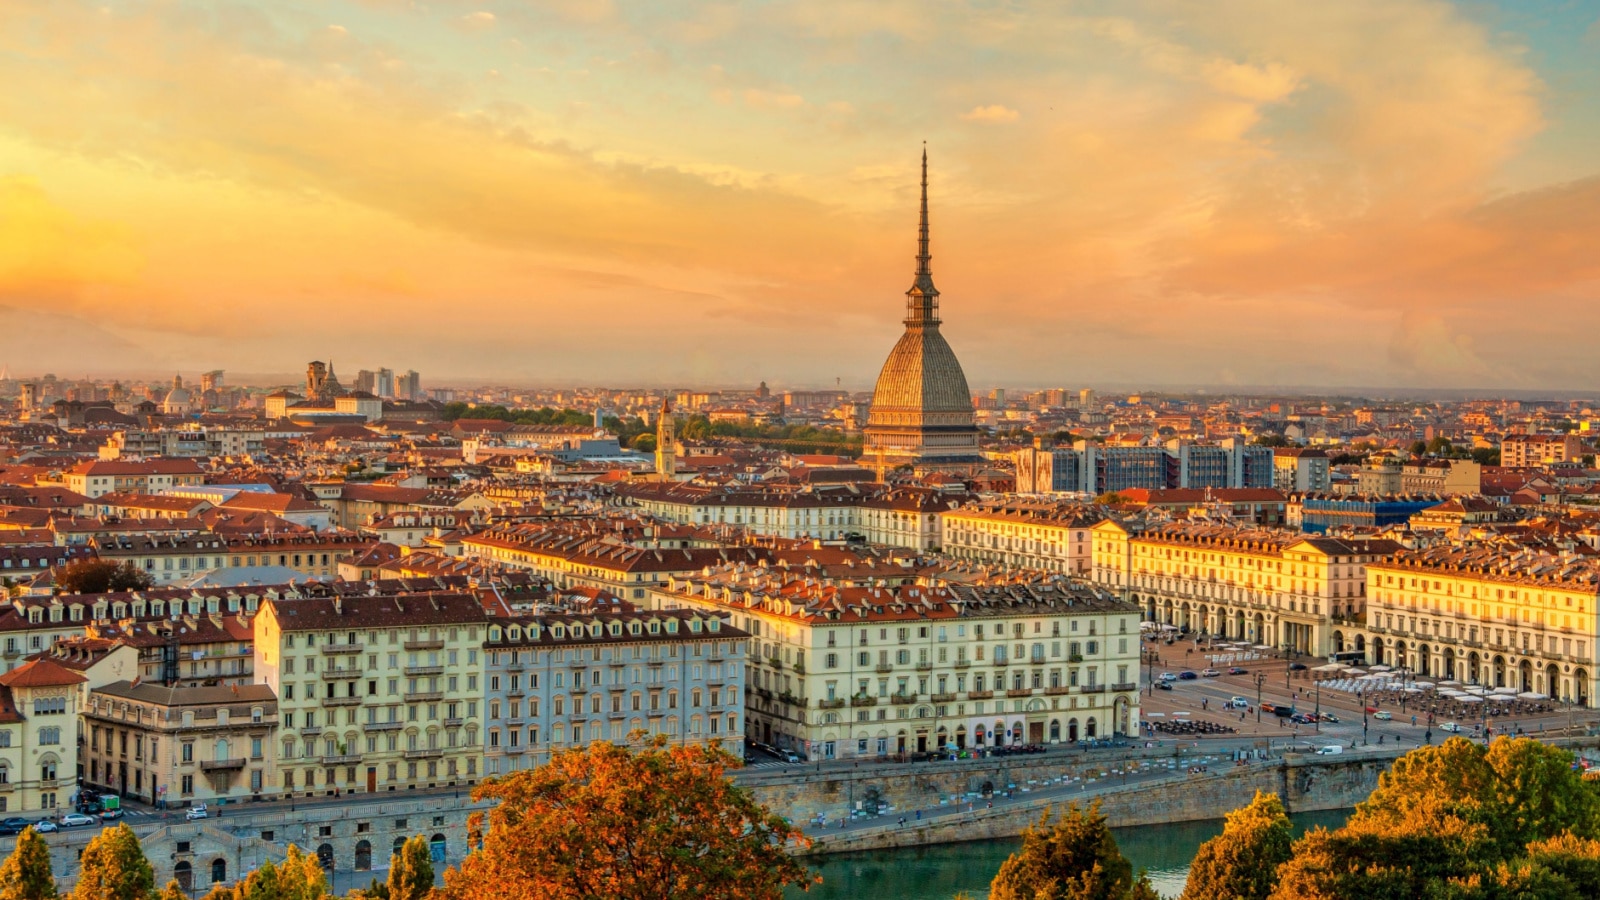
(1312, 191)
(991, 113)
(479, 21)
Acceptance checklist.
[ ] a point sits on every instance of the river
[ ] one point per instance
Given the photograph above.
(938, 873)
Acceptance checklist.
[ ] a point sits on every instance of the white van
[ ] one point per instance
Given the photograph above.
(1330, 750)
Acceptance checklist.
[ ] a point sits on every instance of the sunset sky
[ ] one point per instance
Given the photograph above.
(1262, 192)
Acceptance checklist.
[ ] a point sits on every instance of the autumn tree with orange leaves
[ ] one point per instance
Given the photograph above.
(651, 822)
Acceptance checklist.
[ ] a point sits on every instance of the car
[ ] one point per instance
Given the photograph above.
(1303, 718)
(1163, 685)
(13, 825)
(74, 820)
(1168, 676)
(45, 826)
(1383, 715)
(1187, 676)
(1237, 703)
(110, 815)
(1235, 670)
(1330, 750)
(1330, 717)
(197, 811)
(1450, 727)
(1297, 667)
(1210, 673)
(790, 756)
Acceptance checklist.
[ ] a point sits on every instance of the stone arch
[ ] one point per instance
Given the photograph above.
(325, 856)
(363, 856)
(219, 870)
(1580, 684)
(183, 873)
(1091, 728)
(1072, 729)
(436, 849)
(1055, 731)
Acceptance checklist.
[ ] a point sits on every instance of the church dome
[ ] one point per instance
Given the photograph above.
(921, 380)
(921, 408)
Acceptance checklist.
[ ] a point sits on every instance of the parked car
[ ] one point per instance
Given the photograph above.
(45, 826)
(1383, 715)
(1163, 685)
(1187, 676)
(1235, 670)
(1210, 673)
(1297, 667)
(13, 825)
(75, 820)
(1450, 727)
(791, 756)
(197, 811)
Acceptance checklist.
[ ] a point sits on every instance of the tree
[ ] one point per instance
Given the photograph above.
(113, 867)
(1242, 862)
(1418, 448)
(300, 877)
(1441, 446)
(1076, 858)
(1272, 440)
(410, 871)
(172, 891)
(1110, 498)
(646, 823)
(644, 443)
(96, 576)
(1486, 456)
(1460, 821)
(25, 874)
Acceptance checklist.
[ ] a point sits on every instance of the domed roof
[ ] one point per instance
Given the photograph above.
(921, 376)
(179, 395)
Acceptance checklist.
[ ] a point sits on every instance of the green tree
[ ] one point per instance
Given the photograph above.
(96, 576)
(113, 867)
(1110, 498)
(1242, 862)
(1441, 446)
(25, 874)
(640, 823)
(1486, 456)
(410, 871)
(644, 443)
(1418, 448)
(1074, 858)
(1272, 440)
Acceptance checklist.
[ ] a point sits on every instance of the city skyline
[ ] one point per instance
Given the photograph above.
(1378, 196)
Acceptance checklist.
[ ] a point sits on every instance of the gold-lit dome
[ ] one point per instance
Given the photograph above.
(921, 408)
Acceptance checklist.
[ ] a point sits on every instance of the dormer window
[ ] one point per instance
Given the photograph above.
(715, 624)
(672, 626)
(558, 631)
(654, 626)
(694, 625)
(494, 633)
(516, 633)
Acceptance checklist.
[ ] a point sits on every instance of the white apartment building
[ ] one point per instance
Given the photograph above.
(843, 671)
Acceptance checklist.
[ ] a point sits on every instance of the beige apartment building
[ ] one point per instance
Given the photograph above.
(39, 706)
(837, 670)
(378, 692)
(1297, 593)
(1536, 450)
(181, 745)
(1495, 614)
(1044, 536)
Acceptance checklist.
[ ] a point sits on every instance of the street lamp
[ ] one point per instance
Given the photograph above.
(1261, 679)
(1318, 714)
(1362, 699)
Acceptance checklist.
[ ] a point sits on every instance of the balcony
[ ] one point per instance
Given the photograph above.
(516, 692)
(342, 759)
(424, 645)
(454, 722)
(514, 667)
(924, 666)
(979, 695)
(424, 696)
(338, 649)
(340, 674)
(433, 753)
(1001, 662)
(1125, 686)
(1056, 691)
(884, 668)
(341, 701)
(860, 700)
(424, 670)
(515, 751)
(902, 698)
(963, 664)
(942, 698)
(383, 726)
(1019, 692)
(221, 765)
(311, 731)
(1093, 689)
(836, 703)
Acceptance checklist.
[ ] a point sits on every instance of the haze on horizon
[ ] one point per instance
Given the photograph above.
(1370, 193)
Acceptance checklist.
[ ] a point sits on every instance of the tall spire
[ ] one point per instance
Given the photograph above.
(922, 301)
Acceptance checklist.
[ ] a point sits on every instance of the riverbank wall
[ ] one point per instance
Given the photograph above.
(1304, 782)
